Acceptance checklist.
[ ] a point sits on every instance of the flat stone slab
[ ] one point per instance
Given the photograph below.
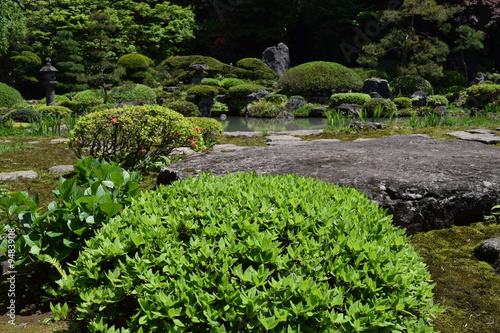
(227, 148)
(182, 151)
(59, 141)
(4, 176)
(426, 184)
(480, 135)
(61, 168)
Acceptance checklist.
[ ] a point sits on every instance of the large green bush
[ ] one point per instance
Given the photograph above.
(23, 115)
(479, 95)
(135, 62)
(131, 92)
(348, 98)
(319, 78)
(406, 85)
(9, 96)
(437, 100)
(187, 109)
(247, 253)
(133, 136)
(209, 128)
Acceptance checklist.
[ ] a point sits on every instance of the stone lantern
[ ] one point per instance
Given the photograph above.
(49, 81)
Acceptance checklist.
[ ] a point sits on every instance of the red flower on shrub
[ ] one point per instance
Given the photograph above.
(114, 121)
(191, 138)
(197, 129)
(193, 143)
(143, 150)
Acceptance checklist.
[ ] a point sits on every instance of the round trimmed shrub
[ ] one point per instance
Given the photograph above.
(196, 93)
(187, 109)
(319, 78)
(304, 111)
(59, 99)
(479, 95)
(88, 96)
(228, 83)
(248, 253)
(9, 96)
(54, 110)
(348, 98)
(402, 102)
(264, 109)
(210, 129)
(386, 106)
(219, 107)
(210, 82)
(23, 115)
(237, 95)
(135, 62)
(276, 98)
(406, 85)
(133, 136)
(437, 100)
(131, 92)
(254, 69)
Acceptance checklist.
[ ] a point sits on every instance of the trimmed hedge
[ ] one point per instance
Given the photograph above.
(135, 62)
(187, 109)
(248, 253)
(437, 100)
(349, 98)
(23, 115)
(54, 110)
(319, 78)
(9, 96)
(479, 95)
(237, 95)
(131, 92)
(388, 108)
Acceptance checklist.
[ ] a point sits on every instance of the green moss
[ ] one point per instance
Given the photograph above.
(466, 287)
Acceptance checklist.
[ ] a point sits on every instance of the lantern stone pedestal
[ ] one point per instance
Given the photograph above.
(49, 81)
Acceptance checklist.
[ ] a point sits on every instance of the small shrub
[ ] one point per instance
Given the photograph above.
(406, 85)
(437, 100)
(219, 107)
(88, 96)
(305, 110)
(319, 78)
(135, 62)
(480, 95)
(386, 107)
(133, 136)
(403, 102)
(237, 95)
(211, 82)
(187, 109)
(231, 82)
(209, 128)
(59, 99)
(23, 115)
(286, 254)
(196, 93)
(131, 92)
(276, 98)
(348, 98)
(9, 96)
(54, 110)
(254, 69)
(264, 109)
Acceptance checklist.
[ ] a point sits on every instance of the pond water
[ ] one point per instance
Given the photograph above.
(247, 124)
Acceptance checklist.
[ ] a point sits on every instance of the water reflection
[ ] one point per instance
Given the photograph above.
(247, 124)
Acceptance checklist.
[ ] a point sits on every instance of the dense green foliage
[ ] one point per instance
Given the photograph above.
(264, 109)
(437, 100)
(84, 202)
(406, 85)
(210, 129)
(54, 110)
(286, 254)
(379, 107)
(187, 109)
(237, 95)
(480, 95)
(348, 98)
(319, 78)
(133, 136)
(130, 93)
(23, 115)
(196, 93)
(9, 96)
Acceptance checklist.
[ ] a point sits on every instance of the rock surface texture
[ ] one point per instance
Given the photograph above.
(425, 183)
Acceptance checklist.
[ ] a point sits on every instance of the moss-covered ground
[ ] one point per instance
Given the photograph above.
(468, 289)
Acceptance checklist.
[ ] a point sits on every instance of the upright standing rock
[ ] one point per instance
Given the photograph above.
(277, 58)
(379, 86)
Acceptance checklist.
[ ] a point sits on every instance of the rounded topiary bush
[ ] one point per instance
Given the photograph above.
(23, 115)
(59, 99)
(254, 69)
(437, 100)
(130, 93)
(88, 96)
(135, 62)
(9, 96)
(319, 78)
(349, 98)
(133, 136)
(379, 107)
(237, 95)
(229, 82)
(402, 102)
(198, 92)
(210, 129)
(247, 253)
(406, 85)
(187, 109)
(54, 110)
(211, 82)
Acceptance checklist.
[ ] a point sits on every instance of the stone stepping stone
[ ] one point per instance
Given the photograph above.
(277, 140)
(326, 140)
(5, 141)
(243, 134)
(182, 151)
(227, 148)
(479, 135)
(61, 168)
(59, 141)
(30, 174)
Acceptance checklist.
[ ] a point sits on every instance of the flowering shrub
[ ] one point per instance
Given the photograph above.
(209, 128)
(480, 95)
(134, 136)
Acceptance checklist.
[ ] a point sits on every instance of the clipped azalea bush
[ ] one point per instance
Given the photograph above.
(22, 115)
(479, 95)
(379, 107)
(187, 109)
(131, 92)
(348, 98)
(59, 99)
(210, 129)
(54, 110)
(248, 253)
(264, 109)
(406, 85)
(437, 100)
(237, 95)
(9, 96)
(198, 92)
(133, 136)
(319, 78)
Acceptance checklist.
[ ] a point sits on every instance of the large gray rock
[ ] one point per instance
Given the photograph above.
(30, 174)
(380, 87)
(277, 58)
(426, 184)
